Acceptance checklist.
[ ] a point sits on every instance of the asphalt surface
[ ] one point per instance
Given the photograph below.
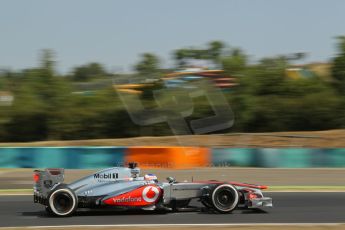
(288, 208)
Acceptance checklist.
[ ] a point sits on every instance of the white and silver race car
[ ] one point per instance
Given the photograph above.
(123, 188)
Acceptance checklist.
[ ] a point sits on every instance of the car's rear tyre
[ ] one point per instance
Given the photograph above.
(224, 198)
(62, 201)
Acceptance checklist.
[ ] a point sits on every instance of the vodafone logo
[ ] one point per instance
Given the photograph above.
(141, 196)
(150, 194)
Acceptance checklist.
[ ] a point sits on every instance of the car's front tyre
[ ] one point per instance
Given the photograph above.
(224, 198)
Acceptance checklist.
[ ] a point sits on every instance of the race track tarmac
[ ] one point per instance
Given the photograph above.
(288, 208)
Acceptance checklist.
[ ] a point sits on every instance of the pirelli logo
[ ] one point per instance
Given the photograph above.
(105, 176)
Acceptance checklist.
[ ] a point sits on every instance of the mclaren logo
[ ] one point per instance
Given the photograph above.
(105, 176)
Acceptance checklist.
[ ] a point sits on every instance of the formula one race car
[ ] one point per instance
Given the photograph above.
(123, 188)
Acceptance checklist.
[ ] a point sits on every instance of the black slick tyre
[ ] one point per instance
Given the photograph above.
(62, 201)
(224, 198)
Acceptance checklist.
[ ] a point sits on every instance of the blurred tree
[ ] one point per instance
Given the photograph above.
(265, 78)
(47, 62)
(148, 66)
(40, 96)
(200, 54)
(235, 63)
(180, 55)
(46, 106)
(338, 69)
(28, 116)
(89, 71)
(298, 56)
(268, 101)
(97, 115)
(214, 50)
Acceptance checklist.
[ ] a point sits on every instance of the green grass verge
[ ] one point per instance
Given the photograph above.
(15, 191)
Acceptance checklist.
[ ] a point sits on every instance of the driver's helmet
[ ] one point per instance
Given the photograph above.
(151, 177)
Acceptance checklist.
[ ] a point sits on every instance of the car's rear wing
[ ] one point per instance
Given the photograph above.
(44, 180)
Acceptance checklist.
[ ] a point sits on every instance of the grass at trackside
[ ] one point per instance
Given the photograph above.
(15, 191)
(271, 189)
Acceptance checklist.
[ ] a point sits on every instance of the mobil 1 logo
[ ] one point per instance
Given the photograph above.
(105, 177)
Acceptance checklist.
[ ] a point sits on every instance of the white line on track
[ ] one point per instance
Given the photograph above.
(177, 225)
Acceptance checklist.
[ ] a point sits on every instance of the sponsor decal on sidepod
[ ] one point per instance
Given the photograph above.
(106, 176)
(142, 196)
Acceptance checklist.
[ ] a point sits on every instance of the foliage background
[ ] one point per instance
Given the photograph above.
(51, 106)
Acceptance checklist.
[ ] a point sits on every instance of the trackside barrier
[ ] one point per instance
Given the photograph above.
(169, 157)
(279, 158)
(64, 157)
